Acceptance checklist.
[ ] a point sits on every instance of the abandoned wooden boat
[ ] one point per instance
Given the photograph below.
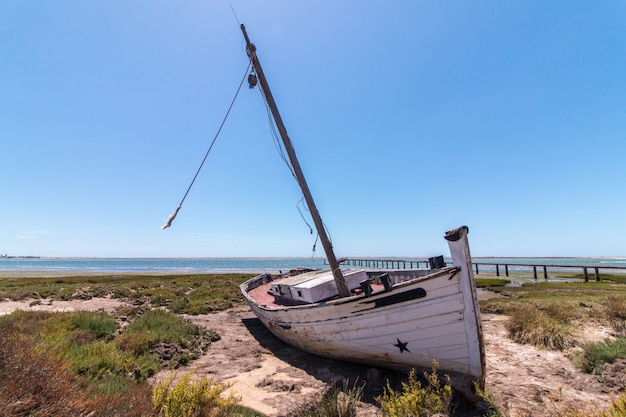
(398, 319)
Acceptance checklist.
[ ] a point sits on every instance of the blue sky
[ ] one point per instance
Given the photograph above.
(409, 118)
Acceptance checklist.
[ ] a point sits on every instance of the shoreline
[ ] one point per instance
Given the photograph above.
(7, 274)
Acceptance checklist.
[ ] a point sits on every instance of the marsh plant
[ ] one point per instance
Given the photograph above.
(595, 355)
(180, 294)
(548, 327)
(615, 311)
(416, 400)
(81, 362)
(186, 397)
(158, 326)
(40, 379)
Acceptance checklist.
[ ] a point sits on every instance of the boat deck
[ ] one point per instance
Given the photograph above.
(264, 297)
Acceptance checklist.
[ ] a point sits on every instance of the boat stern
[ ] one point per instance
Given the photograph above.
(461, 258)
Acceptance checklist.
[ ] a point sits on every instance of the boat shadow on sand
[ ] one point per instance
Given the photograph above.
(332, 372)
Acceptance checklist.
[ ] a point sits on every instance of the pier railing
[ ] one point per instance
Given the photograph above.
(544, 267)
(498, 267)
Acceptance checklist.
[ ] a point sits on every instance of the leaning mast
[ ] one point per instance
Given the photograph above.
(342, 288)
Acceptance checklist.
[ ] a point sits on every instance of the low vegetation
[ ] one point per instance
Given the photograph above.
(549, 315)
(93, 362)
(158, 329)
(602, 302)
(38, 380)
(595, 355)
(81, 362)
(549, 326)
(615, 311)
(336, 402)
(180, 294)
(186, 398)
(416, 400)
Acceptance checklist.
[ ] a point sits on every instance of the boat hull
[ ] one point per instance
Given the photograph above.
(417, 321)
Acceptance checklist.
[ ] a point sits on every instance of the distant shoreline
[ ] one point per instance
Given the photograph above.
(60, 274)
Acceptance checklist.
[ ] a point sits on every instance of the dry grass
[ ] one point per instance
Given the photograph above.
(615, 311)
(617, 409)
(548, 328)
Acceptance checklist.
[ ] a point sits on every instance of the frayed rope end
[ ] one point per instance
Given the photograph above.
(170, 219)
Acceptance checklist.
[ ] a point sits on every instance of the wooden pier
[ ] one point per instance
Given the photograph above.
(499, 267)
(385, 263)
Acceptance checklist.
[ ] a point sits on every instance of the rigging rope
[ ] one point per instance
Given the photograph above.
(276, 136)
(302, 215)
(281, 152)
(172, 216)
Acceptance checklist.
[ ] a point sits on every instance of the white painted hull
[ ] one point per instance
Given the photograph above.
(434, 317)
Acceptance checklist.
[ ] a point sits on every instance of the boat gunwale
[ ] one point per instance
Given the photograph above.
(453, 270)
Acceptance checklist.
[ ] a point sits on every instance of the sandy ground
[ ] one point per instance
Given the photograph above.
(277, 380)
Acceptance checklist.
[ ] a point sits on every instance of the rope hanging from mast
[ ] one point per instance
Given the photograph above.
(172, 216)
(252, 82)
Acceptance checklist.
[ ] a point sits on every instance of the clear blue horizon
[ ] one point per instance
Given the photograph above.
(409, 119)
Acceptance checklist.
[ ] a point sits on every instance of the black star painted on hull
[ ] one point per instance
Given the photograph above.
(402, 346)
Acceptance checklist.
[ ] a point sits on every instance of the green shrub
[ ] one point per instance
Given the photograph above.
(158, 326)
(136, 343)
(101, 359)
(179, 305)
(26, 322)
(546, 328)
(594, 355)
(100, 324)
(187, 398)
(159, 300)
(194, 307)
(415, 400)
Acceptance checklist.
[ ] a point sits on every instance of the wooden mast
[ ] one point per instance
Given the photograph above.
(340, 281)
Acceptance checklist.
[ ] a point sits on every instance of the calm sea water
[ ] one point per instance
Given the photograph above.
(247, 265)
(159, 265)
